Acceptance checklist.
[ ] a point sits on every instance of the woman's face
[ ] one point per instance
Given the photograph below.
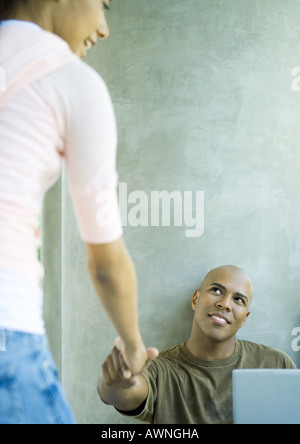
(81, 23)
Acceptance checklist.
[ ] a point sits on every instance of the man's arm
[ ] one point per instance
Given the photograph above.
(114, 279)
(124, 394)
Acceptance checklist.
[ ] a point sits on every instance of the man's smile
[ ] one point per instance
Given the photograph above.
(219, 318)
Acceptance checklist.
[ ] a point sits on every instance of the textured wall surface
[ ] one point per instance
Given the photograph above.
(205, 101)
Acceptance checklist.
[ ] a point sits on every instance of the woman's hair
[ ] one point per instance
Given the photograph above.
(8, 7)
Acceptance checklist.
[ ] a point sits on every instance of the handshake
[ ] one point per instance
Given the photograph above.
(122, 384)
(126, 363)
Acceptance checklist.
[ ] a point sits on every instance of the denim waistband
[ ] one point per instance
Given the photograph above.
(12, 340)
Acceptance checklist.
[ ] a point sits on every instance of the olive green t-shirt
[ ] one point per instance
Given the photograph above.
(184, 389)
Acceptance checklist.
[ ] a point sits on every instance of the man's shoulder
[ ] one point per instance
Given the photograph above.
(168, 357)
(257, 355)
(249, 346)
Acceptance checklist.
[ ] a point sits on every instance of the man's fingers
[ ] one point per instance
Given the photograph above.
(126, 373)
(152, 353)
(108, 371)
(118, 344)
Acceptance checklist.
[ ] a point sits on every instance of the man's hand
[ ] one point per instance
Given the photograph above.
(125, 389)
(132, 362)
(113, 371)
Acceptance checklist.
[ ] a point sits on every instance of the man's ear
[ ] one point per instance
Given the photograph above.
(245, 320)
(195, 299)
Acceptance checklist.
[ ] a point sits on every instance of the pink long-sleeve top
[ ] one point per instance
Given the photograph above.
(55, 109)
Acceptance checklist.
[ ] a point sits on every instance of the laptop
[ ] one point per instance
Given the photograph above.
(266, 396)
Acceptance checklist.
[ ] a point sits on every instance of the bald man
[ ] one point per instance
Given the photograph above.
(192, 382)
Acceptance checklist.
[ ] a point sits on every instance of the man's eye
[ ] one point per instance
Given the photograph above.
(240, 300)
(217, 291)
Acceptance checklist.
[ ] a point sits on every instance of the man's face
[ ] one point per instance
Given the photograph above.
(81, 23)
(222, 304)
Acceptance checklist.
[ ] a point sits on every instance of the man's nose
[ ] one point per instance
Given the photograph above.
(224, 303)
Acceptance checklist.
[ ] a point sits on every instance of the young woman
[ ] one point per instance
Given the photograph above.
(55, 108)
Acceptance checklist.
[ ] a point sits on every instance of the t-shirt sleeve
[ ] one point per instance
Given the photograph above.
(91, 148)
(146, 412)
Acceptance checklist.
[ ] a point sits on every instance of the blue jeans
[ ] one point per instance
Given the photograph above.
(30, 391)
